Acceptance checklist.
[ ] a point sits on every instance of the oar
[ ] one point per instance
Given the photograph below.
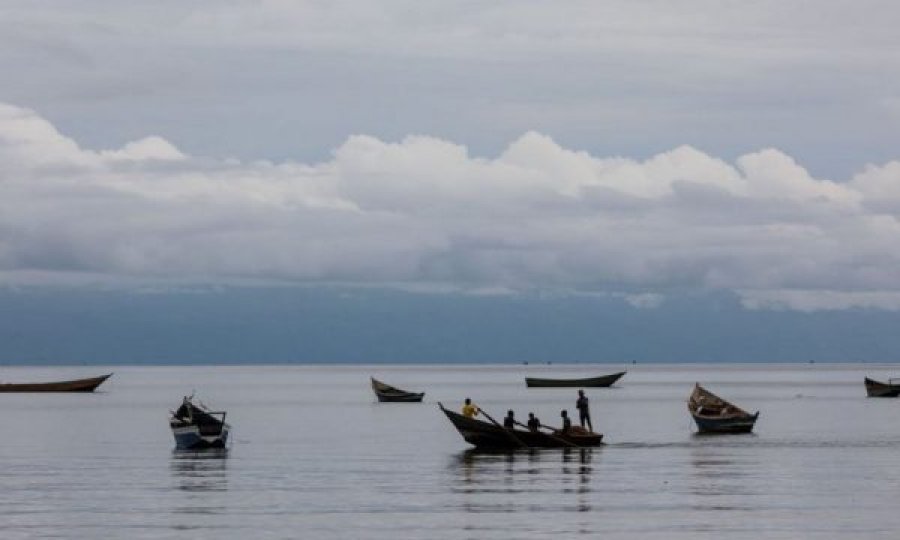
(507, 431)
(560, 439)
(552, 436)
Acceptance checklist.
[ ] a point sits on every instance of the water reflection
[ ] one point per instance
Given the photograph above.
(494, 481)
(202, 477)
(721, 475)
(200, 471)
(582, 471)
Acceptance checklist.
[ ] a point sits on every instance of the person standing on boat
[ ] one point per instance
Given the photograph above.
(470, 410)
(510, 421)
(533, 422)
(584, 412)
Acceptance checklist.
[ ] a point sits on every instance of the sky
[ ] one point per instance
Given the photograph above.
(637, 151)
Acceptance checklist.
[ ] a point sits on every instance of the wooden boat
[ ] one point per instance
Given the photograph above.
(879, 389)
(488, 435)
(715, 415)
(387, 393)
(602, 381)
(195, 427)
(77, 385)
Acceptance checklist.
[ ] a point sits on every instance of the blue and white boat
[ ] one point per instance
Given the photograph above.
(195, 427)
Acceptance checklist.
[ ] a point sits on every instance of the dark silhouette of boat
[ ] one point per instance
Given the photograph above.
(387, 393)
(602, 381)
(716, 415)
(491, 435)
(77, 385)
(195, 427)
(879, 389)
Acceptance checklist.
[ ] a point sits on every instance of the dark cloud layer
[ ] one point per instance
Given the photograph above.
(423, 213)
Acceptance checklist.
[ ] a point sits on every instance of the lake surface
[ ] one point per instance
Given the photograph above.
(315, 456)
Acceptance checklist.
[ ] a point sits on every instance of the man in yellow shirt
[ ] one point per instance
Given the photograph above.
(470, 410)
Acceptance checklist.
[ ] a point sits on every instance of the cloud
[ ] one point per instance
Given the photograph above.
(880, 187)
(812, 301)
(285, 80)
(764, 31)
(425, 213)
(146, 149)
(645, 300)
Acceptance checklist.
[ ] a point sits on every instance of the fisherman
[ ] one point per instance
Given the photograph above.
(510, 421)
(470, 410)
(533, 422)
(584, 413)
(566, 422)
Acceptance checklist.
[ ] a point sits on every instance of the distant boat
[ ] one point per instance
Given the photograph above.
(494, 436)
(77, 385)
(880, 389)
(387, 393)
(195, 427)
(591, 382)
(715, 415)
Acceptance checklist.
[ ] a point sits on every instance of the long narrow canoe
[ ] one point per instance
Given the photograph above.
(488, 435)
(879, 389)
(387, 393)
(78, 385)
(715, 415)
(591, 382)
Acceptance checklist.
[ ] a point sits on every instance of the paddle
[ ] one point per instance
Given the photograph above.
(552, 436)
(507, 431)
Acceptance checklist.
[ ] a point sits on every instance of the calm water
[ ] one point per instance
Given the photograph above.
(314, 456)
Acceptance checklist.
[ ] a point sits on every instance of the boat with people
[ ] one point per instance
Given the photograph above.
(492, 435)
(387, 393)
(76, 385)
(602, 381)
(716, 415)
(196, 427)
(879, 389)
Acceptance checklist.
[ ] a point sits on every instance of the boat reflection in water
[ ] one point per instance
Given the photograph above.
(200, 471)
(556, 480)
(577, 463)
(721, 478)
(200, 490)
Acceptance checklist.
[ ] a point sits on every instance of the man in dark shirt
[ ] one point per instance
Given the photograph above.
(584, 413)
(510, 421)
(533, 422)
(566, 422)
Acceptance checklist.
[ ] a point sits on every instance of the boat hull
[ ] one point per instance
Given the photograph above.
(879, 389)
(603, 381)
(389, 394)
(189, 437)
(736, 424)
(77, 385)
(484, 435)
(408, 397)
(712, 414)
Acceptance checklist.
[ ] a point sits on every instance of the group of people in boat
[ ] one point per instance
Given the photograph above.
(470, 410)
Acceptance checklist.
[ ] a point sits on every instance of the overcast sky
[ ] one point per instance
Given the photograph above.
(607, 148)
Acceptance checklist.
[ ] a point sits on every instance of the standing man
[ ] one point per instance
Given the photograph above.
(584, 413)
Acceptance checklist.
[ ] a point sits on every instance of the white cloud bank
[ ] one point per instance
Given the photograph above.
(422, 212)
